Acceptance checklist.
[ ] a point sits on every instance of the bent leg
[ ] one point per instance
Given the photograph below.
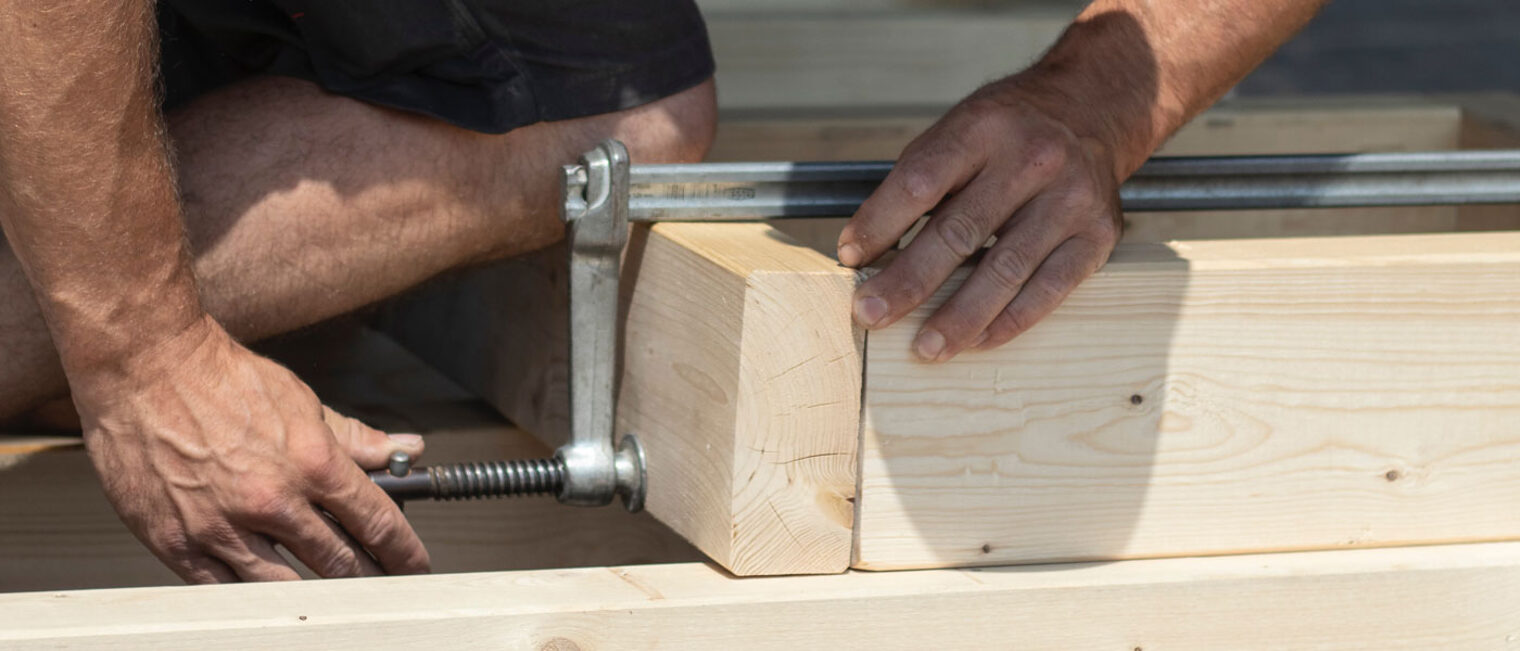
(301, 205)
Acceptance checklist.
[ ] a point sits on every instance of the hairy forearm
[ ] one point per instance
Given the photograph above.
(1131, 72)
(86, 190)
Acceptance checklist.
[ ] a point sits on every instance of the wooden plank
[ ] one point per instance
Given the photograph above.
(58, 532)
(741, 375)
(1212, 397)
(1459, 597)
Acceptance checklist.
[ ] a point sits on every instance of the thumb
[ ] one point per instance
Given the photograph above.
(367, 446)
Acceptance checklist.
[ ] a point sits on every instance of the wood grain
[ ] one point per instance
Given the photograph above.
(1212, 397)
(1457, 597)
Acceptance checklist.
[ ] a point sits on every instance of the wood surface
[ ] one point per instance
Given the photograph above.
(741, 373)
(1453, 597)
(741, 376)
(1212, 397)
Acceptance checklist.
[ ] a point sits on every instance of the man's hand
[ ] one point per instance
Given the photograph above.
(1036, 160)
(212, 455)
(995, 165)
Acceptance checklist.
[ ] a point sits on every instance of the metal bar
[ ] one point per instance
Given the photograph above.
(744, 191)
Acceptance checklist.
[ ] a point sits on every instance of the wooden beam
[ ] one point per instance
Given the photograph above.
(1458, 596)
(741, 375)
(1212, 397)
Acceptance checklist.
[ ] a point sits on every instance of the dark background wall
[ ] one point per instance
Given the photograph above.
(1392, 46)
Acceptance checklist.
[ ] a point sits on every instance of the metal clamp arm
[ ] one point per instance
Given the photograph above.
(594, 470)
(589, 470)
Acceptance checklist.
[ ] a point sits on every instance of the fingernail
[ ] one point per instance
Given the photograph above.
(850, 255)
(929, 344)
(869, 310)
(413, 441)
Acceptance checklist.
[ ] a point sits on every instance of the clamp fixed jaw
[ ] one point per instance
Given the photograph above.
(590, 470)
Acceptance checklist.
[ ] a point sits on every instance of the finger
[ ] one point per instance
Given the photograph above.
(1029, 239)
(367, 446)
(254, 558)
(920, 179)
(320, 544)
(374, 520)
(1062, 271)
(201, 569)
(957, 230)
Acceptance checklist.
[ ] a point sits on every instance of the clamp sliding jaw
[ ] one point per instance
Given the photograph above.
(589, 470)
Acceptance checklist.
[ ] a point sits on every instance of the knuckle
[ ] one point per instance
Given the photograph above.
(1011, 323)
(910, 288)
(326, 472)
(959, 232)
(175, 545)
(1049, 294)
(1047, 156)
(266, 506)
(1105, 231)
(982, 116)
(919, 181)
(212, 535)
(1008, 266)
(340, 561)
(381, 530)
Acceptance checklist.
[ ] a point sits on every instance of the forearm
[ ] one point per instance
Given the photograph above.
(86, 190)
(1131, 72)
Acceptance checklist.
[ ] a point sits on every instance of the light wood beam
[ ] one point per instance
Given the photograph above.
(741, 376)
(1457, 597)
(1212, 397)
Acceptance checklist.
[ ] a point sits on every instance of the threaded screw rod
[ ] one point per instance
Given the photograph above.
(471, 480)
(475, 480)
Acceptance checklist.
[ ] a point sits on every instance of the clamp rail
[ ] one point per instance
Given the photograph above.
(747, 191)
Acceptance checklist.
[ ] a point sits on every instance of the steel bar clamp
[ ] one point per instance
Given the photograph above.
(604, 193)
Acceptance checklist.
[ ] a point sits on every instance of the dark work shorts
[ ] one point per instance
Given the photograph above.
(485, 65)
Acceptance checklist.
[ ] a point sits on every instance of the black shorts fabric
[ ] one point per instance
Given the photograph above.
(485, 65)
